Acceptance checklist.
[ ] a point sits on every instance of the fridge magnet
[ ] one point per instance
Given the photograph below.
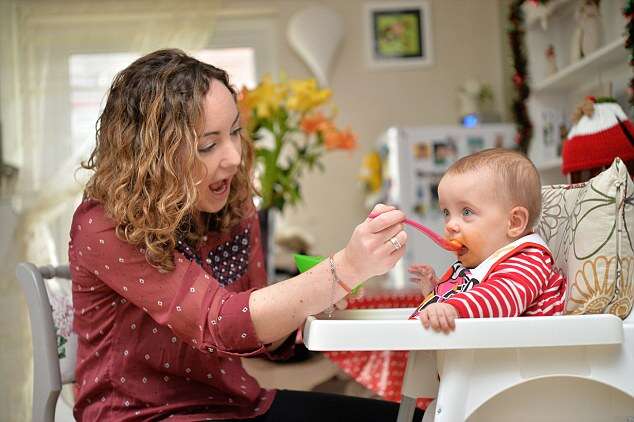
(420, 192)
(422, 151)
(420, 209)
(475, 144)
(444, 152)
(498, 142)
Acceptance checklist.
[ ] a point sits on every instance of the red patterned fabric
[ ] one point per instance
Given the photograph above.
(381, 372)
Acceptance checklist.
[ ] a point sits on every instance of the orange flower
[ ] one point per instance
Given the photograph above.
(334, 139)
(314, 123)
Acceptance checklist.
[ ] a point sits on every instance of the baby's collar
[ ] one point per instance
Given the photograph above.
(481, 270)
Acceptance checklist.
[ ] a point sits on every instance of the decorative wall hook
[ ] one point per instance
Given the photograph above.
(315, 34)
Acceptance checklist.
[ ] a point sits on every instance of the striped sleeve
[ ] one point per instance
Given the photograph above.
(510, 288)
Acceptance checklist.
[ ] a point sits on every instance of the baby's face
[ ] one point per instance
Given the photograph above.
(474, 215)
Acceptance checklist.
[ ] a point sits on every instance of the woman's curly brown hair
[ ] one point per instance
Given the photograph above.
(145, 160)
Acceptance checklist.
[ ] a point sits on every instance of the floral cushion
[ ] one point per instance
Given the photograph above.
(588, 227)
(60, 297)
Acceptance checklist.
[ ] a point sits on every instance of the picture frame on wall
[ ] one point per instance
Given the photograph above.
(398, 34)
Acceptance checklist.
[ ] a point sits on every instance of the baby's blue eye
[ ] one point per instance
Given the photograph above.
(467, 212)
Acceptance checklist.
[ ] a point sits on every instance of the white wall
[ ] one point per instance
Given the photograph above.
(467, 44)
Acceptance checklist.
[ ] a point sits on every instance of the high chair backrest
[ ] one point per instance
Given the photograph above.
(47, 376)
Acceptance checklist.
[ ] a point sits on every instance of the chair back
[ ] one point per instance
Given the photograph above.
(46, 363)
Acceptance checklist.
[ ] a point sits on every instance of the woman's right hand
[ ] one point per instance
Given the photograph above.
(370, 252)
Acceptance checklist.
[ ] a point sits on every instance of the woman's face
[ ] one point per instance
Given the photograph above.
(219, 148)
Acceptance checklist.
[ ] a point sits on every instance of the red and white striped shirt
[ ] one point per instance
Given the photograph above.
(524, 283)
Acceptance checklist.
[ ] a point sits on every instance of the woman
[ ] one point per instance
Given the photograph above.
(165, 253)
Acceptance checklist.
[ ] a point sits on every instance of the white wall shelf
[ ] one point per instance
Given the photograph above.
(580, 72)
(605, 71)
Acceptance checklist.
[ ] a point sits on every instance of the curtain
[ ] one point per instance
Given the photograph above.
(39, 37)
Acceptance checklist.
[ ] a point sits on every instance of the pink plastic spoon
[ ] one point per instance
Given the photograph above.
(450, 245)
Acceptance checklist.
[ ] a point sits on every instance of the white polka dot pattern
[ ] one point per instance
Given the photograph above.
(229, 261)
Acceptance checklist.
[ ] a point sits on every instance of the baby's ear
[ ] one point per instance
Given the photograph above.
(518, 220)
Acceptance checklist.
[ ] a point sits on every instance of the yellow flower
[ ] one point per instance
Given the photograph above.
(292, 134)
(305, 95)
(266, 98)
(371, 171)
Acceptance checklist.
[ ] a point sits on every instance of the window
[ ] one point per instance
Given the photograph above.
(238, 62)
(90, 77)
(244, 47)
(92, 74)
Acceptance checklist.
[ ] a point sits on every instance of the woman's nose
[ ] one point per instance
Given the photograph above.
(232, 155)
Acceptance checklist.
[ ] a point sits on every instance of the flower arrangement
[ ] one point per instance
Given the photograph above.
(291, 132)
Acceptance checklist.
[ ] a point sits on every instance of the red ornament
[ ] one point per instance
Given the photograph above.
(518, 80)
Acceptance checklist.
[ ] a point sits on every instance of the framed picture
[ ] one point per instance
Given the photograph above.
(398, 33)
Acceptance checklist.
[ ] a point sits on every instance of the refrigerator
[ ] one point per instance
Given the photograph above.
(413, 161)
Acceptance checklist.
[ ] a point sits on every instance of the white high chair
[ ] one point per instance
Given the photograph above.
(573, 367)
(483, 358)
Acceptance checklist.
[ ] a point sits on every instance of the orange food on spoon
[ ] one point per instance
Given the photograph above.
(456, 244)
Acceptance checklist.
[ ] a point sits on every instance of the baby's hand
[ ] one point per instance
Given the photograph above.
(439, 316)
(425, 276)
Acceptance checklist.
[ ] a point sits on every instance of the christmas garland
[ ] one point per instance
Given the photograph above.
(520, 76)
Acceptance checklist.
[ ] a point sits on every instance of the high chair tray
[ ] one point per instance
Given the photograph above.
(389, 329)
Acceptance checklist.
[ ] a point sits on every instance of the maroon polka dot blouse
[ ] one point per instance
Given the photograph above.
(156, 344)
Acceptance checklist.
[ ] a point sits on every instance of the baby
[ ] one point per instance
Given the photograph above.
(490, 201)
